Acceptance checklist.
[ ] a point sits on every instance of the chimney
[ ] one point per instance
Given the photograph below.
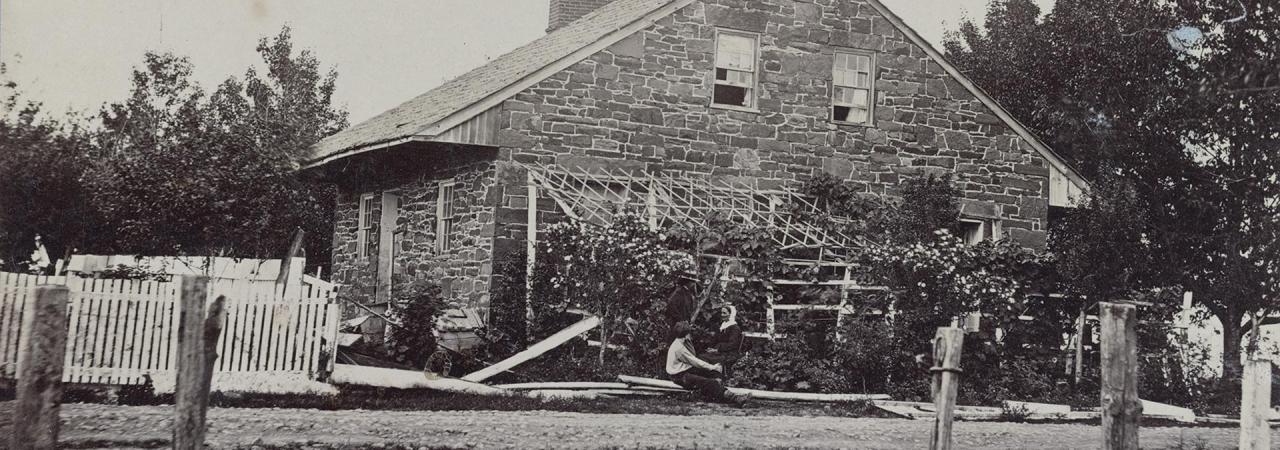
(563, 12)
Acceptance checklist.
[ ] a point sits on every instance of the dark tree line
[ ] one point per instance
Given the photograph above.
(173, 169)
(1172, 110)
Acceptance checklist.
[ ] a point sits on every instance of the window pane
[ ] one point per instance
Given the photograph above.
(731, 95)
(860, 97)
(840, 78)
(737, 78)
(857, 115)
(735, 52)
(863, 80)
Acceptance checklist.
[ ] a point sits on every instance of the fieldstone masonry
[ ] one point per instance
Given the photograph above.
(463, 271)
(644, 104)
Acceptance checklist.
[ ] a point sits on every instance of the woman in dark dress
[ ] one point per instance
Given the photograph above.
(728, 344)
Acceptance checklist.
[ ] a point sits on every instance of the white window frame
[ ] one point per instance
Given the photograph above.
(988, 230)
(753, 90)
(446, 214)
(870, 87)
(364, 211)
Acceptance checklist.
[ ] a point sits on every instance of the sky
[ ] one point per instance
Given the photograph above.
(75, 55)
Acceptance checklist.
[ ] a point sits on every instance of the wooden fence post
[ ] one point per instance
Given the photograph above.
(197, 350)
(947, 346)
(1120, 404)
(40, 361)
(1255, 405)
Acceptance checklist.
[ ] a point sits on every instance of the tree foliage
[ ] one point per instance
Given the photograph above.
(1170, 108)
(40, 194)
(193, 174)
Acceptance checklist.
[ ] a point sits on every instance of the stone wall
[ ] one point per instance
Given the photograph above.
(644, 103)
(463, 271)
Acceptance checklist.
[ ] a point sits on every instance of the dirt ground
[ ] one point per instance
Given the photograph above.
(98, 425)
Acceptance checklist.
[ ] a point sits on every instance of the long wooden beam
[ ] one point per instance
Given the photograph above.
(404, 379)
(535, 350)
(764, 395)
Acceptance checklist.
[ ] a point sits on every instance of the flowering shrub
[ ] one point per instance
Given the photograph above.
(620, 273)
(947, 277)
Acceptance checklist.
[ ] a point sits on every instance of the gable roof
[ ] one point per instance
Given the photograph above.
(427, 114)
(474, 92)
(1055, 161)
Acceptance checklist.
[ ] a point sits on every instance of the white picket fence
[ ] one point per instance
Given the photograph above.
(120, 330)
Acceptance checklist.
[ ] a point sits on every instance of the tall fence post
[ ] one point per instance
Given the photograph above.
(1255, 405)
(197, 344)
(1120, 404)
(40, 361)
(947, 346)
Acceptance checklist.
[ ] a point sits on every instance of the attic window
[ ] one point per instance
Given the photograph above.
(735, 81)
(852, 80)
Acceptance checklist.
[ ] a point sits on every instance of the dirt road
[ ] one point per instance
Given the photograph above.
(96, 425)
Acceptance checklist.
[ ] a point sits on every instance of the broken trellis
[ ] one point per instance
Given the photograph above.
(596, 195)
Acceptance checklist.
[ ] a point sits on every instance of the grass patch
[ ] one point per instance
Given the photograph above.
(366, 398)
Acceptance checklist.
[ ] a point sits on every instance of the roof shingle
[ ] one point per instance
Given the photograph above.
(421, 112)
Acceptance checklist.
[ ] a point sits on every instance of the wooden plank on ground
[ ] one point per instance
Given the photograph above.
(566, 394)
(759, 394)
(535, 350)
(404, 379)
(561, 385)
(1037, 408)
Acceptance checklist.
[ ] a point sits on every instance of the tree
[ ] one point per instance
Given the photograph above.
(1171, 110)
(40, 192)
(188, 174)
(1236, 135)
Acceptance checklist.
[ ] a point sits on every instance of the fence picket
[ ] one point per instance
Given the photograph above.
(7, 361)
(259, 338)
(127, 319)
(290, 337)
(231, 335)
(144, 350)
(118, 331)
(114, 331)
(73, 319)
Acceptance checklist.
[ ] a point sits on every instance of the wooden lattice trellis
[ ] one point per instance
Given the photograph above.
(594, 196)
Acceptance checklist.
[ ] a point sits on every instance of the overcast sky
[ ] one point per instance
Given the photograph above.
(74, 55)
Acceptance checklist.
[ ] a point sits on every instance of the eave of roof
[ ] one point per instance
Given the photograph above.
(333, 148)
(661, 9)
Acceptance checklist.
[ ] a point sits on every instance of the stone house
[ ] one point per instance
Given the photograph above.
(761, 93)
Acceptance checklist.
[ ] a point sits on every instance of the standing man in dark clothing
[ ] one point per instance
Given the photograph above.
(681, 302)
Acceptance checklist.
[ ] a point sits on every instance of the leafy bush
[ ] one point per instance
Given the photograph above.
(415, 308)
(619, 273)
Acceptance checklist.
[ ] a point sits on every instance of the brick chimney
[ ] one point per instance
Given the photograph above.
(562, 12)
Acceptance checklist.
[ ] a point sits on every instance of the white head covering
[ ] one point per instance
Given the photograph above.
(732, 319)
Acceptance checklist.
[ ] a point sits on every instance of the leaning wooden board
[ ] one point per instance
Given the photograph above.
(535, 350)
